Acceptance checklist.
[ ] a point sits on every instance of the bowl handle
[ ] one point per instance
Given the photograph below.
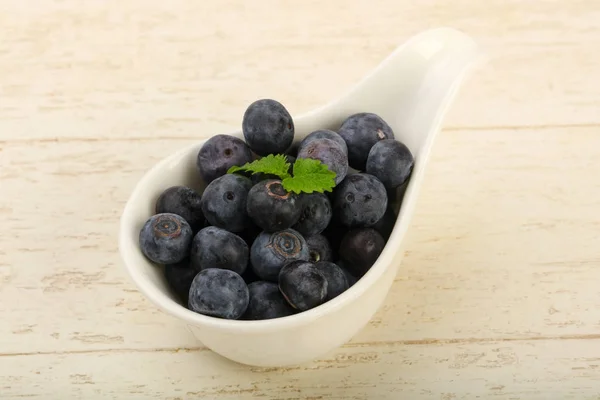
(411, 88)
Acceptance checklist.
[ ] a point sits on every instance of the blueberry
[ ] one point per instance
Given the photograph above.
(351, 279)
(303, 285)
(219, 293)
(259, 177)
(391, 162)
(250, 233)
(334, 233)
(250, 276)
(337, 283)
(329, 153)
(325, 134)
(268, 127)
(166, 238)
(359, 201)
(214, 247)
(271, 251)
(293, 150)
(183, 201)
(179, 277)
(266, 302)
(396, 195)
(386, 224)
(316, 214)
(219, 153)
(224, 202)
(271, 207)
(319, 248)
(360, 249)
(360, 132)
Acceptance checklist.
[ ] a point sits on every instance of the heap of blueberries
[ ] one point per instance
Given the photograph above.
(246, 248)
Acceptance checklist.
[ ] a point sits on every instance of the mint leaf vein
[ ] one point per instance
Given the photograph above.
(310, 176)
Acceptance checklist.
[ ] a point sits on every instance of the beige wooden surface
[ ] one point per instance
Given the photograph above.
(498, 296)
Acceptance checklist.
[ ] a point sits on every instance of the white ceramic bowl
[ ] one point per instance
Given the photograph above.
(411, 90)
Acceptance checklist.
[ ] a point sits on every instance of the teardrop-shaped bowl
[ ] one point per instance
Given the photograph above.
(411, 90)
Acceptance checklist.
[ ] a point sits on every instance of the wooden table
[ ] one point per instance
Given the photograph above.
(498, 296)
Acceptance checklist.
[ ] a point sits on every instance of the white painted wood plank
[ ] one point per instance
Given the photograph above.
(144, 69)
(538, 370)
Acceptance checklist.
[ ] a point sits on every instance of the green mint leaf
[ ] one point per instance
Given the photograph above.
(271, 164)
(310, 176)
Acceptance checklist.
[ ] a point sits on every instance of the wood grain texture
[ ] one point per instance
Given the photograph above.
(497, 296)
(495, 370)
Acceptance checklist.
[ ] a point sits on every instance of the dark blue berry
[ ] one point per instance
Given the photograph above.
(329, 153)
(268, 127)
(386, 224)
(214, 247)
(179, 277)
(219, 293)
(391, 162)
(219, 153)
(224, 202)
(351, 279)
(183, 201)
(360, 132)
(325, 134)
(266, 302)
(250, 233)
(337, 283)
(303, 285)
(316, 214)
(293, 150)
(359, 201)
(166, 238)
(259, 177)
(334, 233)
(360, 248)
(396, 196)
(271, 207)
(250, 276)
(271, 251)
(319, 248)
